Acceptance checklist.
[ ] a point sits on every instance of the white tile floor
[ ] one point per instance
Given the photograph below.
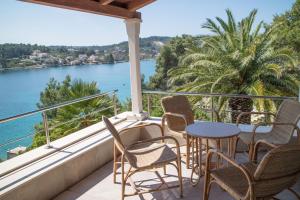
(99, 185)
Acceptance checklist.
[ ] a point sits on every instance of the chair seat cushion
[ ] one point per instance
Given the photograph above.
(233, 180)
(151, 154)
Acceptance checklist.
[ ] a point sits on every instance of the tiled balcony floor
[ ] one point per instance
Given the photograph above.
(99, 185)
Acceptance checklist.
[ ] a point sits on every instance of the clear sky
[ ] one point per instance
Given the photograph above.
(29, 23)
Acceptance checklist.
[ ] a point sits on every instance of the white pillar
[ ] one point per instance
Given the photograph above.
(133, 32)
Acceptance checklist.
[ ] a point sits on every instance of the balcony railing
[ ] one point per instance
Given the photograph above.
(222, 107)
(49, 125)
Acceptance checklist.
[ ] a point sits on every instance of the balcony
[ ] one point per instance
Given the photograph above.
(79, 165)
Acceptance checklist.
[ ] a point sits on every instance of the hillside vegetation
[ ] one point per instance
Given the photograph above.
(26, 55)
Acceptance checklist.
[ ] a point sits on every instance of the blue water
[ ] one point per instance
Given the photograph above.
(20, 92)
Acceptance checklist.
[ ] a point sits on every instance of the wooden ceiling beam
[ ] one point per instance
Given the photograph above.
(90, 7)
(105, 2)
(134, 5)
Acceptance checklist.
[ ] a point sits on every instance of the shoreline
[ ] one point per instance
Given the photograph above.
(48, 66)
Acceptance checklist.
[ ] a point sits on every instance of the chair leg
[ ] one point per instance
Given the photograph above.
(115, 164)
(251, 151)
(165, 169)
(207, 186)
(123, 179)
(188, 152)
(180, 176)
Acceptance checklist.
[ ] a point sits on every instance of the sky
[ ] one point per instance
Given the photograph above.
(22, 22)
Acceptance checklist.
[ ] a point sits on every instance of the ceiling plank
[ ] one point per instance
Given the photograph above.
(90, 7)
(105, 2)
(134, 5)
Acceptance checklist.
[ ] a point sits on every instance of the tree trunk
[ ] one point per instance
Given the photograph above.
(238, 105)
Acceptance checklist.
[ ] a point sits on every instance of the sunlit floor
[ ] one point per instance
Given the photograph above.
(99, 185)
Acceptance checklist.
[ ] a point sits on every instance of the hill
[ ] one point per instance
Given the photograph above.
(26, 55)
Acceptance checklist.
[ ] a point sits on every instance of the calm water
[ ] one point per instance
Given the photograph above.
(20, 90)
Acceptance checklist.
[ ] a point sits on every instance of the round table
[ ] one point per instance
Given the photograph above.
(210, 130)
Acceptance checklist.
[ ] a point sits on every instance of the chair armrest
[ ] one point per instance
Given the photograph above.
(173, 115)
(257, 144)
(212, 152)
(274, 123)
(232, 162)
(252, 113)
(157, 139)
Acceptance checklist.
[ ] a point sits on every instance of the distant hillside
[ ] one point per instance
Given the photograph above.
(26, 55)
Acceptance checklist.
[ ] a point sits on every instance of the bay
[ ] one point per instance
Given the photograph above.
(20, 92)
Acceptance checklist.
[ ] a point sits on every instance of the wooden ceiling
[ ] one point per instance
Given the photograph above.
(124, 9)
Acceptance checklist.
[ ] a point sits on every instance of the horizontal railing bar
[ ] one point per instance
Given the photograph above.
(16, 140)
(217, 95)
(77, 118)
(55, 106)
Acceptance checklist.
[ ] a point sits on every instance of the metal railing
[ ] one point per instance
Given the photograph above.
(210, 101)
(45, 120)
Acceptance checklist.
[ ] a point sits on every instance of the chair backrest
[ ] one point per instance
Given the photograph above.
(278, 170)
(288, 112)
(180, 105)
(114, 133)
(279, 162)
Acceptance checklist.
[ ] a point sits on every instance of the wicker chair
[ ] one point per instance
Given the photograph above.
(283, 127)
(146, 155)
(178, 114)
(278, 170)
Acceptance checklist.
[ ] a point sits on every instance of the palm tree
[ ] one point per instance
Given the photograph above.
(68, 119)
(238, 59)
(77, 116)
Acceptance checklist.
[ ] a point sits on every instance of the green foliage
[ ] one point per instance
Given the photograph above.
(237, 58)
(169, 56)
(11, 53)
(19, 55)
(68, 119)
(287, 29)
(109, 59)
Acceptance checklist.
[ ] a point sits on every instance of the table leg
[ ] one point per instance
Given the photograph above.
(229, 148)
(197, 150)
(196, 162)
(200, 156)
(234, 144)
(218, 149)
(193, 150)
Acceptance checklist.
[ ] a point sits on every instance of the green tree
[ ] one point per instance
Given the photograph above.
(238, 59)
(71, 118)
(109, 59)
(287, 29)
(169, 56)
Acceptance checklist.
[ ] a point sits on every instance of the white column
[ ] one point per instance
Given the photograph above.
(133, 32)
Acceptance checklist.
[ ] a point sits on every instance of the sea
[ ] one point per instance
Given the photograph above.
(20, 92)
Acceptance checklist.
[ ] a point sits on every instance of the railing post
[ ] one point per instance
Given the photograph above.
(46, 128)
(299, 94)
(115, 104)
(212, 108)
(148, 106)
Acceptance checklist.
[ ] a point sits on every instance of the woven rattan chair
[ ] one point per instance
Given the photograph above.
(278, 170)
(283, 127)
(146, 155)
(178, 114)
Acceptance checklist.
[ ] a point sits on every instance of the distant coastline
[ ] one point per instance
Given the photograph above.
(28, 56)
(61, 65)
